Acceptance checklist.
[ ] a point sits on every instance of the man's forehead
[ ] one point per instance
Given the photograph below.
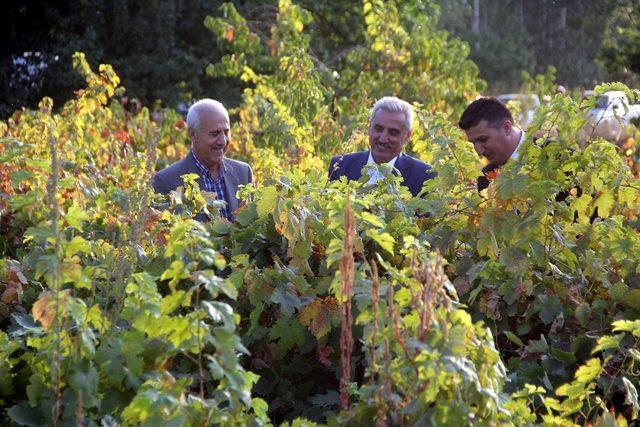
(389, 119)
(215, 119)
(217, 123)
(482, 127)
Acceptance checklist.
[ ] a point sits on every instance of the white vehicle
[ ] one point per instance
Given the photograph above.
(527, 106)
(611, 115)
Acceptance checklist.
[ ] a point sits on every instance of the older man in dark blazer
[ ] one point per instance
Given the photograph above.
(389, 130)
(209, 132)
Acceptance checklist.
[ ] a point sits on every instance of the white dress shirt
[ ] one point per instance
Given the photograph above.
(374, 172)
(514, 155)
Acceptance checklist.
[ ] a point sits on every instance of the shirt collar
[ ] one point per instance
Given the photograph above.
(371, 161)
(203, 169)
(514, 155)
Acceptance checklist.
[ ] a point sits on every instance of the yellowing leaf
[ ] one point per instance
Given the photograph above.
(580, 205)
(75, 216)
(589, 371)
(372, 219)
(44, 309)
(97, 319)
(604, 203)
(632, 326)
(77, 244)
(71, 272)
(608, 342)
(317, 317)
(175, 272)
(267, 201)
(385, 240)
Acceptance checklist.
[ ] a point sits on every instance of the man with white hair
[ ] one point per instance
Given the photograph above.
(390, 127)
(209, 132)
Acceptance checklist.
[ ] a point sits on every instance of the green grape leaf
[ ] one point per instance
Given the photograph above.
(288, 332)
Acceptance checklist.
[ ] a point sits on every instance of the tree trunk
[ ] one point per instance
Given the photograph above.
(475, 17)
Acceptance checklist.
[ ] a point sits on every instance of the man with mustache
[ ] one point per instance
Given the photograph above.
(209, 132)
(489, 125)
(389, 130)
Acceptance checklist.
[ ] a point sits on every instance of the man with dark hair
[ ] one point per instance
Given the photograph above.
(489, 126)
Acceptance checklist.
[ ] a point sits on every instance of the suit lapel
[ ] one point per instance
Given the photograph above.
(360, 162)
(192, 168)
(231, 182)
(403, 166)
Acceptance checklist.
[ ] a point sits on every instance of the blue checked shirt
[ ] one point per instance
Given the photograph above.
(214, 185)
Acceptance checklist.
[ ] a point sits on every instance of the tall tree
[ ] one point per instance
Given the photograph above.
(499, 41)
(570, 41)
(160, 48)
(621, 47)
(511, 36)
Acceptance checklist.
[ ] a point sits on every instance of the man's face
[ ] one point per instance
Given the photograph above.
(492, 143)
(211, 139)
(387, 135)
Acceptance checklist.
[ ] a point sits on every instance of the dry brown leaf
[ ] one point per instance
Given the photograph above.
(44, 310)
(10, 295)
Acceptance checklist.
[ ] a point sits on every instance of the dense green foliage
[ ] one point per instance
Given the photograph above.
(97, 322)
(335, 303)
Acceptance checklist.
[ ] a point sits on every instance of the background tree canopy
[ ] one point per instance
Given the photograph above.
(161, 48)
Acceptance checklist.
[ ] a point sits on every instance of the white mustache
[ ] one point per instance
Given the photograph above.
(382, 144)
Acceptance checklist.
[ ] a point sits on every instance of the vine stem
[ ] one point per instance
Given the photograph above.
(396, 327)
(200, 349)
(128, 259)
(375, 300)
(381, 413)
(52, 188)
(346, 289)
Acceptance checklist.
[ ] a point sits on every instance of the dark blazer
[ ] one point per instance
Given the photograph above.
(235, 173)
(414, 172)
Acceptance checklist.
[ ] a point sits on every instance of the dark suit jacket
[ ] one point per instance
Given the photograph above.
(235, 173)
(414, 172)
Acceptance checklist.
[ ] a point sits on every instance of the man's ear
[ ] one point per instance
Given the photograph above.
(409, 135)
(191, 134)
(507, 126)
